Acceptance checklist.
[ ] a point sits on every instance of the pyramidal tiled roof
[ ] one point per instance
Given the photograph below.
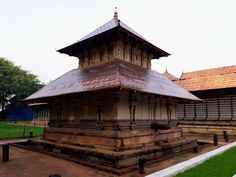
(113, 74)
(208, 79)
(110, 25)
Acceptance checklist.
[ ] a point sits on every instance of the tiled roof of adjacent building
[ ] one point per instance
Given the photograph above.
(208, 79)
(113, 74)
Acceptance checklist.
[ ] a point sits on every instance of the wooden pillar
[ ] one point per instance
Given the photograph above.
(206, 110)
(101, 53)
(195, 111)
(184, 111)
(58, 109)
(124, 50)
(100, 107)
(30, 134)
(141, 62)
(226, 136)
(148, 54)
(132, 106)
(160, 107)
(142, 164)
(89, 57)
(131, 53)
(215, 140)
(195, 149)
(231, 107)
(218, 105)
(152, 107)
(77, 109)
(169, 109)
(5, 152)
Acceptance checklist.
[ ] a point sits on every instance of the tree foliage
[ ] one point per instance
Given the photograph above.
(15, 83)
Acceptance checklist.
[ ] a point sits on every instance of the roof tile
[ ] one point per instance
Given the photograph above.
(216, 78)
(113, 74)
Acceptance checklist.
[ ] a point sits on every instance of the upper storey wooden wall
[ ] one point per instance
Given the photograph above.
(117, 49)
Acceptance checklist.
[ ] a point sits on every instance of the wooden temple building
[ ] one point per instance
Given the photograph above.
(113, 109)
(217, 87)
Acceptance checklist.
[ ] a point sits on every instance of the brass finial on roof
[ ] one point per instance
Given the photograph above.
(116, 13)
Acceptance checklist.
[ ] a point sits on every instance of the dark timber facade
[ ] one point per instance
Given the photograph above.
(218, 105)
(217, 87)
(217, 114)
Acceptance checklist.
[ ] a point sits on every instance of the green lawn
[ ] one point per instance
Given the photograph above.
(15, 131)
(223, 165)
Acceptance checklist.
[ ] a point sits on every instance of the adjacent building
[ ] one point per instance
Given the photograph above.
(217, 87)
(217, 113)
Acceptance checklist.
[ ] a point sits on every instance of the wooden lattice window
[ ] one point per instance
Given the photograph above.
(200, 111)
(190, 111)
(225, 108)
(180, 111)
(234, 106)
(212, 108)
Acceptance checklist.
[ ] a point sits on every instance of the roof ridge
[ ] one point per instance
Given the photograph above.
(210, 69)
(101, 29)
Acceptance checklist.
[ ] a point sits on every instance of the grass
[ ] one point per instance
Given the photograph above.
(17, 131)
(222, 165)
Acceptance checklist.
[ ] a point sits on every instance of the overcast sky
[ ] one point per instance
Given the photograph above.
(199, 34)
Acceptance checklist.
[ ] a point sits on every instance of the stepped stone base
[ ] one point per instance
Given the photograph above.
(119, 153)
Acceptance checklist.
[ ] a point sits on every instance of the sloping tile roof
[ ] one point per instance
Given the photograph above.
(216, 78)
(169, 76)
(113, 74)
(110, 25)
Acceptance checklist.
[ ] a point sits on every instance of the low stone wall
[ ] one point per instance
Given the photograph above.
(207, 131)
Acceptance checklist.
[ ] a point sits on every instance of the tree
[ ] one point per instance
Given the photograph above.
(15, 83)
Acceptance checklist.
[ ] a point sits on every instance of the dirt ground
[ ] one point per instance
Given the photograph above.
(25, 163)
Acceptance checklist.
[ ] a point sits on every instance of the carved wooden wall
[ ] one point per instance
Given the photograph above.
(118, 49)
